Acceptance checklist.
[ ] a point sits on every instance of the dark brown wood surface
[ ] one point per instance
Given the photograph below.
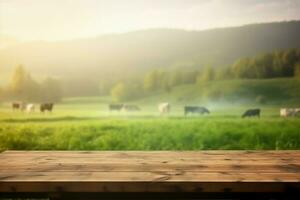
(160, 171)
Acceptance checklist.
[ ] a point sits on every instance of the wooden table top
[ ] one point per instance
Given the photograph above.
(152, 171)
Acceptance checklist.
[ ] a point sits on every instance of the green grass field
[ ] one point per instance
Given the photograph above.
(86, 124)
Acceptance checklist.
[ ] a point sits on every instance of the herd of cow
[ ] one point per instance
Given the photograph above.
(165, 108)
(44, 107)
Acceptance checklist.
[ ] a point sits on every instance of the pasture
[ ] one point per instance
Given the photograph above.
(86, 124)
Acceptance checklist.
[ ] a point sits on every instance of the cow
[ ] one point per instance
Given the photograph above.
(131, 108)
(251, 113)
(46, 107)
(164, 108)
(30, 108)
(16, 106)
(195, 109)
(289, 112)
(115, 107)
(19, 106)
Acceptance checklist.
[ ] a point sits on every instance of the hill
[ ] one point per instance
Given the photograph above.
(83, 63)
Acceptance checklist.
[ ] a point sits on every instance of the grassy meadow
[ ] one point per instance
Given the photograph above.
(86, 124)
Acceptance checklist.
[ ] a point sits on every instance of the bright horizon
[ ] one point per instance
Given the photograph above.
(52, 20)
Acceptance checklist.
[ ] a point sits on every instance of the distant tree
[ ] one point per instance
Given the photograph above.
(154, 80)
(151, 81)
(51, 90)
(18, 82)
(23, 87)
(208, 74)
(175, 78)
(289, 61)
(189, 76)
(118, 92)
(297, 71)
(126, 91)
(239, 68)
(278, 66)
(269, 65)
(223, 73)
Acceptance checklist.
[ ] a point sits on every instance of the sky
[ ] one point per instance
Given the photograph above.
(53, 20)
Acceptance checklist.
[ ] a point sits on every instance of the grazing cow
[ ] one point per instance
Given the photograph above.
(30, 108)
(116, 107)
(289, 112)
(19, 106)
(46, 107)
(195, 109)
(251, 113)
(164, 108)
(16, 106)
(131, 108)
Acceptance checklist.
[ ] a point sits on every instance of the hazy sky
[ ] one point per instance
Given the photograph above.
(68, 19)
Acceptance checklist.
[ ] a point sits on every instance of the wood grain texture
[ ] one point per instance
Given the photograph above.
(160, 171)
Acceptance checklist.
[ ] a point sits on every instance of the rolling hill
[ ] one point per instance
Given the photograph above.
(83, 62)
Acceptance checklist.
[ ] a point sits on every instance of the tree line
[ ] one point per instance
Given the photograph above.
(22, 87)
(270, 65)
(285, 63)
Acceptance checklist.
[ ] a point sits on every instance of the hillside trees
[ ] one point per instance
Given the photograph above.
(283, 63)
(269, 65)
(208, 74)
(154, 80)
(125, 91)
(23, 87)
(297, 71)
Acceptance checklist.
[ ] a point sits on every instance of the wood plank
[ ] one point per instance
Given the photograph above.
(151, 176)
(143, 167)
(133, 171)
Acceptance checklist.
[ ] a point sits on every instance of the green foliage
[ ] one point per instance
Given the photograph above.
(118, 92)
(297, 71)
(23, 87)
(18, 82)
(126, 91)
(269, 65)
(208, 74)
(154, 80)
(223, 73)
